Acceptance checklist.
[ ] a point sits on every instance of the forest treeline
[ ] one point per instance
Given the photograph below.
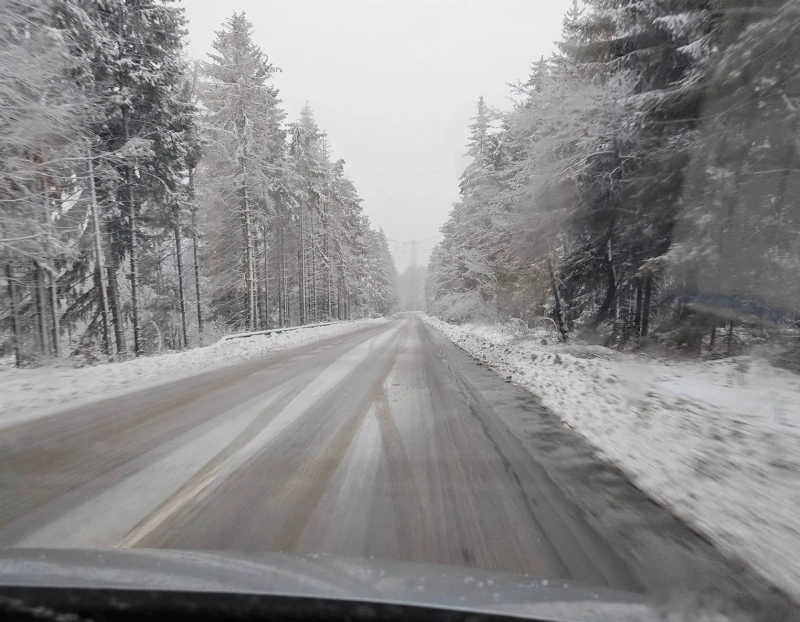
(149, 202)
(645, 182)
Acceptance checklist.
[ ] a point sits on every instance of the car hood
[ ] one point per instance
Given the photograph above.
(321, 576)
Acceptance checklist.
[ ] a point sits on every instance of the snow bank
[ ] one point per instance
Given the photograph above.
(30, 393)
(716, 442)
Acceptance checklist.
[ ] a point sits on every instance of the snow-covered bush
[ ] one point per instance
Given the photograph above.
(460, 307)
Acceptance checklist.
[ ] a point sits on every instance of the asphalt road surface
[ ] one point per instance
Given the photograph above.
(377, 442)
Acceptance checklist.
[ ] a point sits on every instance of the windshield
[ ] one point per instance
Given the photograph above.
(502, 286)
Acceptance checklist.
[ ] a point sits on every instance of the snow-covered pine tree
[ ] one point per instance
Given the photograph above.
(381, 276)
(309, 166)
(41, 113)
(129, 64)
(102, 174)
(473, 232)
(344, 225)
(277, 200)
(737, 246)
(243, 122)
(174, 137)
(548, 144)
(632, 188)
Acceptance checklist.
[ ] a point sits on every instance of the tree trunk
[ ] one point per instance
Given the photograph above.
(159, 269)
(259, 282)
(648, 295)
(15, 323)
(632, 309)
(137, 347)
(266, 280)
(49, 293)
(134, 277)
(315, 314)
(341, 296)
(56, 321)
(730, 337)
(34, 315)
(329, 275)
(195, 252)
(258, 289)
(116, 309)
(287, 303)
(179, 266)
(559, 309)
(99, 258)
(306, 272)
(712, 344)
(281, 309)
(301, 268)
(160, 336)
(286, 299)
(637, 318)
(41, 306)
(611, 290)
(247, 242)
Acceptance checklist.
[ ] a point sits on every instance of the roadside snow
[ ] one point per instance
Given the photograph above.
(31, 393)
(716, 442)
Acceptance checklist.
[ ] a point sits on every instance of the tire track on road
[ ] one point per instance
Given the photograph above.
(262, 482)
(52, 465)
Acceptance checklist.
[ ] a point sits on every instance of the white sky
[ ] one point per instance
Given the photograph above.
(394, 84)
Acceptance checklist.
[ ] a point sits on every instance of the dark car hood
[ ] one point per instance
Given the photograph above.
(320, 576)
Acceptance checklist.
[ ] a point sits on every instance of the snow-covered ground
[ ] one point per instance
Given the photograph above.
(31, 393)
(717, 442)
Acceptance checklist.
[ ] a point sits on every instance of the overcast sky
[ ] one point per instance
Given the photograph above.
(394, 84)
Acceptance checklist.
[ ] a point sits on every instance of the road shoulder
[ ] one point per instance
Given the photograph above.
(29, 394)
(666, 556)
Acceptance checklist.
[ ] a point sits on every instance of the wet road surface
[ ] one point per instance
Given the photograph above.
(376, 442)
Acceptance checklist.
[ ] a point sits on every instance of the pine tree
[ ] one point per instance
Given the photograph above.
(470, 242)
(380, 274)
(129, 62)
(737, 245)
(113, 151)
(580, 197)
(309, 164)
(659, 49)
(550, 138)
(344, 223)
(40, 119)
(245, 143)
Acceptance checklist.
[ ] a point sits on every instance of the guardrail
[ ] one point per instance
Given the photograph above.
(273, 331)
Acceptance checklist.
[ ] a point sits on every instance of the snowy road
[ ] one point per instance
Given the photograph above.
(383, 442)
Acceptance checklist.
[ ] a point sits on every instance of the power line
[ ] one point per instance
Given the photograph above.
(413, 247)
